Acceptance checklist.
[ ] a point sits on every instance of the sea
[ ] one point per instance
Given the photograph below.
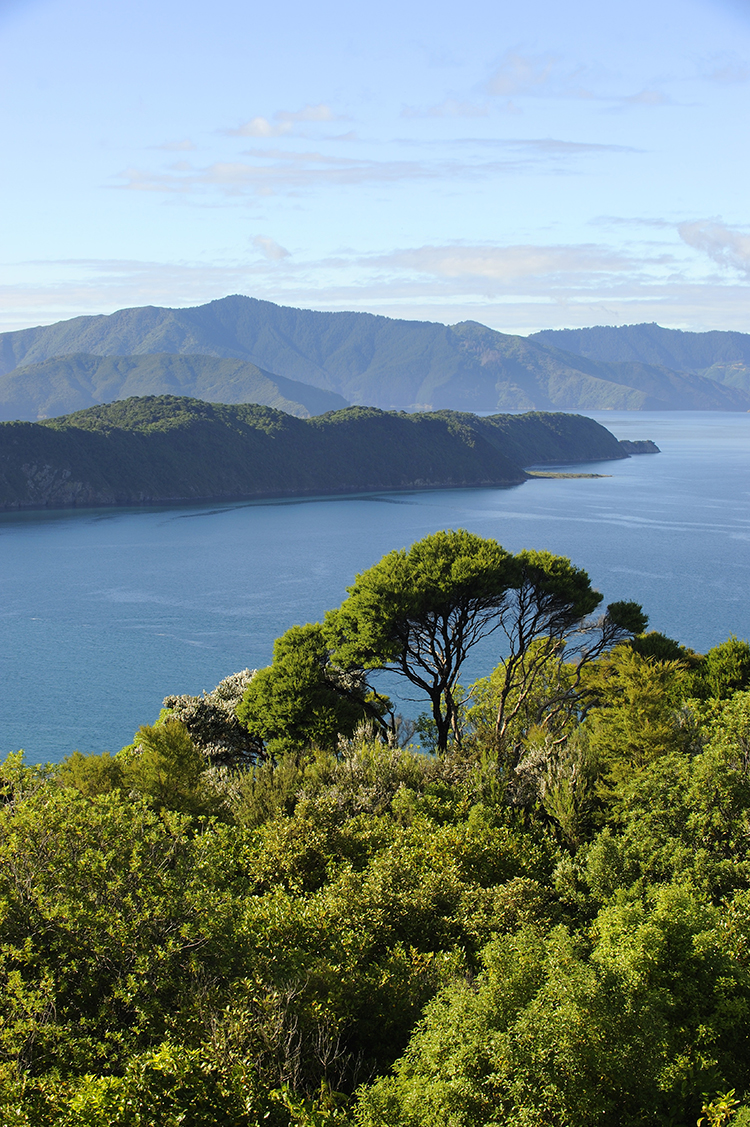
(104, 612)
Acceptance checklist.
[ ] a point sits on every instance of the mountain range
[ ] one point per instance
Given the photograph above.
(722, 356)
(240, 349)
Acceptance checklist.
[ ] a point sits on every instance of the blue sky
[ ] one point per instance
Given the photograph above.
(526, 165)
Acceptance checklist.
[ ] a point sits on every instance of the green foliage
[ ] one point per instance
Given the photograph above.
(168, 769)
(636, 717)
(92, 774)
(661, 648)
(64, 384)
(334, 929)
(302, 698)
(719, 1111)
(380, 360)
(109, 914)
(724, 670)
(623, 1029)
(420, 612)
(165, 447)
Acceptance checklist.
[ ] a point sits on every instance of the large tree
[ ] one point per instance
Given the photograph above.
(419, 612)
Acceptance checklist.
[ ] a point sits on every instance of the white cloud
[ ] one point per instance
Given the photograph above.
(520, 74)
(283, 122)
(517, 288)
(450, 107)
(176, 146)
(509, 263)
(724, 245)
(646, 98)
(269, 171)
(541, 76)
(270, 249)
(321, 112)
(260, 127)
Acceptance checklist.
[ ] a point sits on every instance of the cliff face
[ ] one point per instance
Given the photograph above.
(167, 449)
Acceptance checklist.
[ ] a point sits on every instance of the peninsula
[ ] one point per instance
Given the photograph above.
(169, 449)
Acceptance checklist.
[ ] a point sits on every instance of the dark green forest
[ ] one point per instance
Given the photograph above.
(152, 449)
(284, 905)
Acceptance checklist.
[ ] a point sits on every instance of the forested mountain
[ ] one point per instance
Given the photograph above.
(374, 360)
(70, 383)
(280, 906)
(167, 448)
(722, 356)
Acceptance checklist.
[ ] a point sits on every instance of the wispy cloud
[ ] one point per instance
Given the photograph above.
(449, 107)
(270, 249)
(267, 171)
(509, 264)
(645, 98)
(520, 74)
(726, 246)
(185, 146)
(283, 122)
(726, 68)
(516, 288)
(546, 76)
(271, 171)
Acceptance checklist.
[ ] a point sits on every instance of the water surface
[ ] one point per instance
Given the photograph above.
(103, 612)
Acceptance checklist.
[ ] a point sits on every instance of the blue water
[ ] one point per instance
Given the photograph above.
(104, 612)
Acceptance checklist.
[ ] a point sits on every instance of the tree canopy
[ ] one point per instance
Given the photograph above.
(420, 611)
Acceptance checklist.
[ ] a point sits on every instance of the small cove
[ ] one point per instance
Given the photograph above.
(105, 611)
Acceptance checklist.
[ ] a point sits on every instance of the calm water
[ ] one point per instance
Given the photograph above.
(104, 612)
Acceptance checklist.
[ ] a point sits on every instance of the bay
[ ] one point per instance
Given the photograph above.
(103, 612)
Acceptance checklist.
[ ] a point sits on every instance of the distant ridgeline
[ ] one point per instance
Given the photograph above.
(241, 350)
(159, 449)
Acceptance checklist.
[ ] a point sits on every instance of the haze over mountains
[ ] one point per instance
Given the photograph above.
(722, 356)
(71, 383)
(239, 349)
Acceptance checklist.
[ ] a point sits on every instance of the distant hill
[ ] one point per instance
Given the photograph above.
(380, 361)
(167, 448)
(70, 383)
(722, 356)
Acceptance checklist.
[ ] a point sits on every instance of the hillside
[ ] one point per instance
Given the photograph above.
(722, 356)
(377, 360)
(71, 383)
(166, 449)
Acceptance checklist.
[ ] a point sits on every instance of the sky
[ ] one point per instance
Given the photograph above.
(528, 166)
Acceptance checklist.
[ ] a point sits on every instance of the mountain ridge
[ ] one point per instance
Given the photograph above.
(380, 361)
(69, 383)
(723, 355)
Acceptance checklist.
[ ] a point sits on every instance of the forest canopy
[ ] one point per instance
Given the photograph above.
(283, 905)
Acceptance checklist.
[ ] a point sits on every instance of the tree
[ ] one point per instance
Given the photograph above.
(546, 626)
(167, 769)
(725, 670)
(302, 697)
(419, 612)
